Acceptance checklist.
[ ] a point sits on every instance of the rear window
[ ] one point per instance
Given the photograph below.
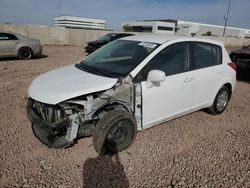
(206, 55)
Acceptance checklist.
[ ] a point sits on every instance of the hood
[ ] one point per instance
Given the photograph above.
(65, 83)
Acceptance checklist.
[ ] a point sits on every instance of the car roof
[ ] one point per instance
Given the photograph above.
(160, 39)
(129, 34)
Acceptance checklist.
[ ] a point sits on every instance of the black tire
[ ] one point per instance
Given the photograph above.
(115, 132)
(217, 107)
(25, 53)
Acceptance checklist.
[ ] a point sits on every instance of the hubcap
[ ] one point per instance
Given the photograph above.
(222, 101)
(25, 54)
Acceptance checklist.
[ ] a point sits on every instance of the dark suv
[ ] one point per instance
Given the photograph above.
(242, 58)
(94, 45)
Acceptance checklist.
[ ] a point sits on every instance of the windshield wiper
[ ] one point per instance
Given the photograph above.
(94, 70)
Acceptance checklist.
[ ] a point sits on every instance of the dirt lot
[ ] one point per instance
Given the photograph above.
(197, 150)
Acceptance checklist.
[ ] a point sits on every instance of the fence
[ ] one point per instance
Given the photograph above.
(54, 35)
(63, 36)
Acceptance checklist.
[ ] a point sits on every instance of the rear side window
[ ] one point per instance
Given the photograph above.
(206, 55)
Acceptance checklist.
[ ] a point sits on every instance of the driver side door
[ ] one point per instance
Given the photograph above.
(173, 96)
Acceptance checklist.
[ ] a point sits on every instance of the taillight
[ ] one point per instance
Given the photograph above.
(233, 65)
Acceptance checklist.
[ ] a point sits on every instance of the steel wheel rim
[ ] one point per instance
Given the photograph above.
(119, 134)
(222, 101)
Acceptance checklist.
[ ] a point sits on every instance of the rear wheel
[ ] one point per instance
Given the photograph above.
(220, 102)
(114, 132)
(25, 53)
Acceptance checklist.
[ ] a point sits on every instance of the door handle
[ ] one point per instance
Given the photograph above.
(188, 80)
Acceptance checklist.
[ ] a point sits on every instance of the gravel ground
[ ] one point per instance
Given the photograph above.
(197, 150)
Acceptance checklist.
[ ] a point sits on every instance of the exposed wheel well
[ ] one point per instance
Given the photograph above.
(112, 106)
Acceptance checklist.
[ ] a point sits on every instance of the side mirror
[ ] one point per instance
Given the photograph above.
(155, 77)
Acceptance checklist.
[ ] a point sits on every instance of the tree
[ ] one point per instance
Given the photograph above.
(127, 28)
(208, 33)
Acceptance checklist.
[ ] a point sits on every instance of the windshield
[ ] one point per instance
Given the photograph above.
(117, 59)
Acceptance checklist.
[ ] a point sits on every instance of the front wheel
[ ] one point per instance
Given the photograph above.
(220, 102)
(114, 132)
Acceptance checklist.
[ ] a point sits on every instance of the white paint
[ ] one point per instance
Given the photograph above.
(65, 83)
(155, 77)
(167, 99)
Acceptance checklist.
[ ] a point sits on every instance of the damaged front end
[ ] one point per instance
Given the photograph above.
(53, 125)
(58, 126)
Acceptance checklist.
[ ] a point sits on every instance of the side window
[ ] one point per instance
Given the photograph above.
(3, 36)
(172, 60)
(217, 55)
(206, 55)
(7, 36)
(12, 37)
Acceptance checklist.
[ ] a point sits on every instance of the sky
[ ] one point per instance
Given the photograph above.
(42, 12)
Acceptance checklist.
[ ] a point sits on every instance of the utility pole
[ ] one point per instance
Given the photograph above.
(58, 7)
(226, 17)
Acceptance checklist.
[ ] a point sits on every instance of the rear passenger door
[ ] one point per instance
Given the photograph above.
(206, 62)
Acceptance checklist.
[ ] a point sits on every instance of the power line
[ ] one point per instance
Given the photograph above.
(58, 7)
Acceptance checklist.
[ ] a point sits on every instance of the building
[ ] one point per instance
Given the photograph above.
(183, 28)
(79, 22)
(199, 29)
(150, 26)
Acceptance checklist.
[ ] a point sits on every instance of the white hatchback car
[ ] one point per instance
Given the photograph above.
(129, 85)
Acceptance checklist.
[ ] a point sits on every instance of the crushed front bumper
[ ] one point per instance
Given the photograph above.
(45, 131)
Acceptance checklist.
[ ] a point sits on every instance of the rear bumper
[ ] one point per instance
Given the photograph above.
(45, 131)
